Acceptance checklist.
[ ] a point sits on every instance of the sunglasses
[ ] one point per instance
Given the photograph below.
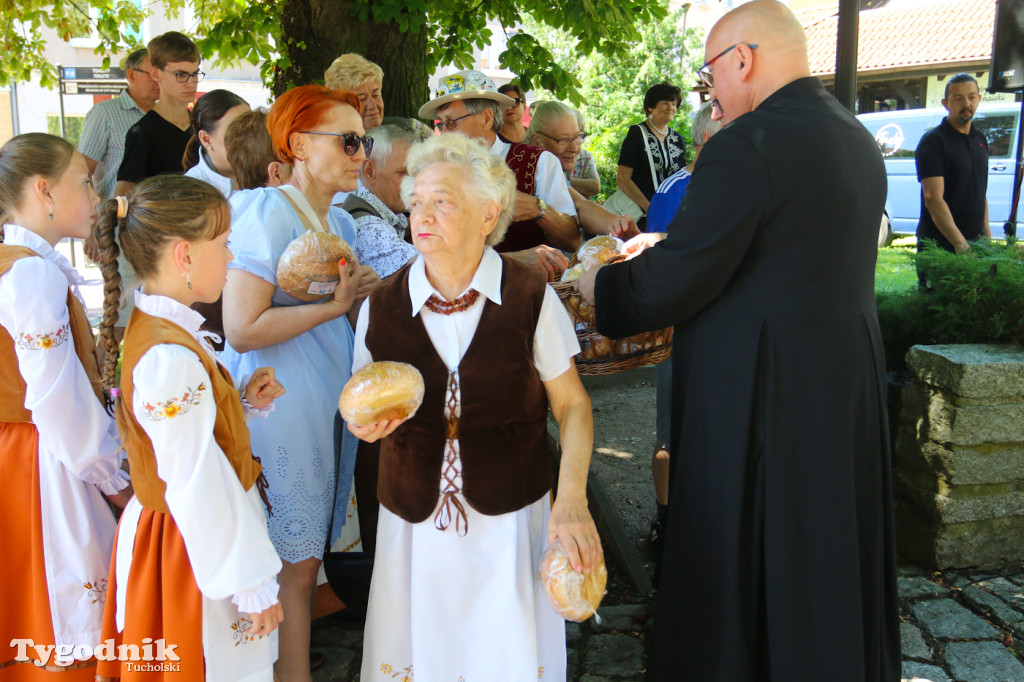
(516, 101)
(451, 123)
(351, 141)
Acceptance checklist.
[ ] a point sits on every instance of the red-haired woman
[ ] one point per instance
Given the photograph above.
(320, 132)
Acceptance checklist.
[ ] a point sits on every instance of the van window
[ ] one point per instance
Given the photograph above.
(898, 139)
(998, 129)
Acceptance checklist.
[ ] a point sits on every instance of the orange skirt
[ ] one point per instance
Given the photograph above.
(162, 602)
(24, 599)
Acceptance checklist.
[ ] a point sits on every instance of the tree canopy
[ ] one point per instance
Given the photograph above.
(294, 40)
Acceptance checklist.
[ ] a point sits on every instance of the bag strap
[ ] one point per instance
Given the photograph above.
(310, 220)
(650, 160)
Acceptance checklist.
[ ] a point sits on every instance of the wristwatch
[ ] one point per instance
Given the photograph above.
(542, 209)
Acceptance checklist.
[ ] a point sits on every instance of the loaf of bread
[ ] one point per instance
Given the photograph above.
(574, 596)
(308, 268)
(381, 391)
(598, 250)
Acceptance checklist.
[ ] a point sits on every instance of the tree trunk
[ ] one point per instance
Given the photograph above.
(329, 29)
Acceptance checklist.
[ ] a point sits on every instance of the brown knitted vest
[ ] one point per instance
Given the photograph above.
(503, 430)
(232, 435)
(12, 385)
(525, 234)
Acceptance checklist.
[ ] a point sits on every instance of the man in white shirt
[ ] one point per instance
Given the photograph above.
(544, 213)
(102, 141)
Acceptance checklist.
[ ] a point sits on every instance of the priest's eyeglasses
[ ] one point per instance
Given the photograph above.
(704, 72)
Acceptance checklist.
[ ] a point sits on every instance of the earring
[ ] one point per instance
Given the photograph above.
(188, 279)
(51, 211)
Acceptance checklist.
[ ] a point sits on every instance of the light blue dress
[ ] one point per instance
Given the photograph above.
(296, 442)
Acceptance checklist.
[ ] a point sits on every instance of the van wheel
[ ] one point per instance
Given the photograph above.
(885, 235)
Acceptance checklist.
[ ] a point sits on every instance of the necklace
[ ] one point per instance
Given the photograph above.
(441, 307)
(660, 132)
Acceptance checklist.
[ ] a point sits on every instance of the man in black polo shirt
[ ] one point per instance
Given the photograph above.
(952, 166)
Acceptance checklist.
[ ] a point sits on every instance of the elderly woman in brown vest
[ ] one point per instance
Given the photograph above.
(465, 484)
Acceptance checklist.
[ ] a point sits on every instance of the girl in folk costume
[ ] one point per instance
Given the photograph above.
(59, 452)
(194, 568)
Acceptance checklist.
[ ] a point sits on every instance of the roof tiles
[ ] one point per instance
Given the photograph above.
(895, 38)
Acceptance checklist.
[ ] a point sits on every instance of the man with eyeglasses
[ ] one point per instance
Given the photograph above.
(778, 560)
(156, 144)
(102, 141)
(544, 214)
(952, 167)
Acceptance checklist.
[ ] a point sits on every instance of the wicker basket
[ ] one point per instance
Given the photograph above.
(601, 355)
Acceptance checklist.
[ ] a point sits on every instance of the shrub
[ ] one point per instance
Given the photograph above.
(975, 297)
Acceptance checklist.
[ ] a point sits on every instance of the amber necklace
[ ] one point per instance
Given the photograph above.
(435, 304)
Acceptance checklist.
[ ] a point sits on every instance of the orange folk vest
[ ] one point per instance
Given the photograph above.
(12, 385)
(230, 431)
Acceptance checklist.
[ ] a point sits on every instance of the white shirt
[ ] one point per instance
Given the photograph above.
(223, 526)
(204, 171)
(554, 340)
(550, 180)
(72, 424)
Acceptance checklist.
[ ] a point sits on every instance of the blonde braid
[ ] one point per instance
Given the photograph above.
(110, 218)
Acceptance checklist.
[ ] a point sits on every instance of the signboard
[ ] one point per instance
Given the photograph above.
(92, 87)
(92, 73)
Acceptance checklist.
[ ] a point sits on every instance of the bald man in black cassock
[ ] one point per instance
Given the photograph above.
(778, 559)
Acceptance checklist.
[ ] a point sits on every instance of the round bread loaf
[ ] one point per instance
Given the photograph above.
(598, 250)
(308, 268)
(574, 596)
(381, 391)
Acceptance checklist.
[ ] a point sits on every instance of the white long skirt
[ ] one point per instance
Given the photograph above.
(445, 608)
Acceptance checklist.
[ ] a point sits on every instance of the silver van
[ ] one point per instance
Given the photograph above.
(897, 134)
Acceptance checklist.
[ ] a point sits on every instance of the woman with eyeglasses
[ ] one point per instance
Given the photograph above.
(512, 128)
(320, 133)
(652, 150)
(555, 127)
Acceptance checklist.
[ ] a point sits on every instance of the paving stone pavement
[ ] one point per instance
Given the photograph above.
(955, 627)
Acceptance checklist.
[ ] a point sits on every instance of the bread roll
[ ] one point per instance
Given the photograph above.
(381, 391)
(308, 268)
(574, 596)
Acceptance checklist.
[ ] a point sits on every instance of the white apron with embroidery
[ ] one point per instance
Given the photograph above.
(79, 451)
(223, 526)
(464, 604)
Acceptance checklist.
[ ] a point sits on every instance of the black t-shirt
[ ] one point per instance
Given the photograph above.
(152, 146)
(962, 162)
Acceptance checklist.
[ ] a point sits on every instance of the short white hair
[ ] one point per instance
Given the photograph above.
(385, 137)
(489, 178)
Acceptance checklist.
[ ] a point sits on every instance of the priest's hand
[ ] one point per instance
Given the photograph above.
(585, 283)
(640, 243)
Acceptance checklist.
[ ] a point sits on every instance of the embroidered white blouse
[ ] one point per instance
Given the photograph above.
(223, 526)
(33, 308)
(79, 454)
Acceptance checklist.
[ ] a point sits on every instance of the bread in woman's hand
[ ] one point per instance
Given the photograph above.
(381, 391)
(574, 596)
(308, 268)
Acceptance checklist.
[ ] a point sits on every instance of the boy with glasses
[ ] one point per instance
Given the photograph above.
(156, 144)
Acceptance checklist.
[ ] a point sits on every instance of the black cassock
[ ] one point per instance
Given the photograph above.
(779, 560)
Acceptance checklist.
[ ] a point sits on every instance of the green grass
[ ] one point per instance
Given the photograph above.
(895, 269)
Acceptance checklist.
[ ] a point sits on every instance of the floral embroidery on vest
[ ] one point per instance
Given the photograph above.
(97, 589)
(45, 340)
(169, 409)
